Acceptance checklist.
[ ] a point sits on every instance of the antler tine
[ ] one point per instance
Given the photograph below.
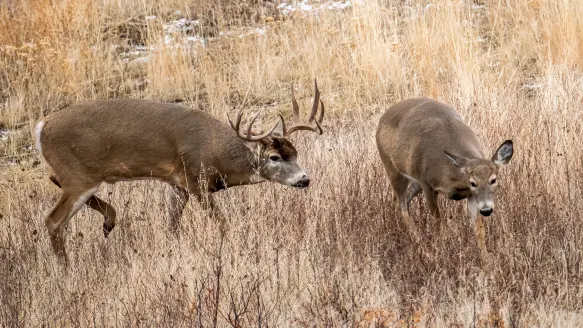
(239, 115)
(249, 137)
(295, 105)
(316, 101)
(283, 126)
(237, 123)
(231, 122)
(321, 117)
(252, 122)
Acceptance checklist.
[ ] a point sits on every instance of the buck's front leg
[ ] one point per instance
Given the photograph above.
(208, 203)
(204, 195)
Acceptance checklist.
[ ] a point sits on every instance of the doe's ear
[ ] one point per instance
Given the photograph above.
(458, 161)
(503, 154)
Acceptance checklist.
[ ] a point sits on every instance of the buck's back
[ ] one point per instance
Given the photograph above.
(113, 133)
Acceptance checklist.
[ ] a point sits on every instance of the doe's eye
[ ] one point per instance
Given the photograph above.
(493, 181)
(473, 184)
(275, 158)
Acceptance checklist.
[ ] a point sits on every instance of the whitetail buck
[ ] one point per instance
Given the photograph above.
(128, 139)
(425, 146)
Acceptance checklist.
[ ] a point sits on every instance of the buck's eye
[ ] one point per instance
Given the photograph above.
(493, 181)
(473, 184)
(275, 158)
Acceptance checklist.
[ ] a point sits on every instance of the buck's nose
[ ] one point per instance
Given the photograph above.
(303, 182)
(486, 211)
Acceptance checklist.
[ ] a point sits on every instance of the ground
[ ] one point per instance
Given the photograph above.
(335, 254)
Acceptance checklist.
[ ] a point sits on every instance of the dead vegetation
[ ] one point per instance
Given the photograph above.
(335, 254)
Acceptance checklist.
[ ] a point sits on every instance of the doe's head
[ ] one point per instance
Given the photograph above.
(482, 177)
(276, 155)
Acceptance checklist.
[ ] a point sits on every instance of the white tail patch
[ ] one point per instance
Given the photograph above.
(37, 131)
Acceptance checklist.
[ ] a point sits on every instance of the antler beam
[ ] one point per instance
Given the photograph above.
(311, 120)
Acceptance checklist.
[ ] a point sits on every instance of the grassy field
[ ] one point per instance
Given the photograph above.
(335, 254)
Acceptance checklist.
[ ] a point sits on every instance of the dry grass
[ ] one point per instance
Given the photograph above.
(336, 254)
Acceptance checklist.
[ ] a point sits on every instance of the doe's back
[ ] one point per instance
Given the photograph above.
(413, 134)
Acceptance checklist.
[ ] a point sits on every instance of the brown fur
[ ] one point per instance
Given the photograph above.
(127, 139)
(426, 147)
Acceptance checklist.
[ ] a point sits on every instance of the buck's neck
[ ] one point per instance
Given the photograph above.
(244, 166)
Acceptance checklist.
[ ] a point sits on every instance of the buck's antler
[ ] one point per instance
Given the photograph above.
(309, 126)
(249, 136)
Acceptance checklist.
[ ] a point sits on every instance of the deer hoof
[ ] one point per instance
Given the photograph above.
(107, 229)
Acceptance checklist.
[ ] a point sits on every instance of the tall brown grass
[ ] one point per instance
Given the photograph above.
(336, 254)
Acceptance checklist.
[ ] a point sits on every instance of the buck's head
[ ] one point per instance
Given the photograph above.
(276, 156)
(482, 178)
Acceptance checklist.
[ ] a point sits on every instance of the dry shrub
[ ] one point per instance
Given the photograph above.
(333, 255)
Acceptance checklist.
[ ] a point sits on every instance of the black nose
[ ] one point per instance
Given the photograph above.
(303, 182)
(486, 211)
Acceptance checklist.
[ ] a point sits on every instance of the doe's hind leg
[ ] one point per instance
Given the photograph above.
(400, 185)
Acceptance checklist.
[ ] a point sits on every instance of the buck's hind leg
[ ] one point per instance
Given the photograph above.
(178, 200)
(70, 202)
(414, 190)
(106, 210)
(100, 206)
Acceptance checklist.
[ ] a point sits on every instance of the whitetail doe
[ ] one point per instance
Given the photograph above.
(129, 139)
(425, 146)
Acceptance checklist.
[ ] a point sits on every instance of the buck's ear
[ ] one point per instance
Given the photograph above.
(503, 154)
(458, 161)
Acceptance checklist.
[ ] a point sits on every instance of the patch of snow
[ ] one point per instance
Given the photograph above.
(180, 25)
(339, 5)
(533, 86)
(182, 32)
(305, 7)
(255, 31)
(142, 60)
